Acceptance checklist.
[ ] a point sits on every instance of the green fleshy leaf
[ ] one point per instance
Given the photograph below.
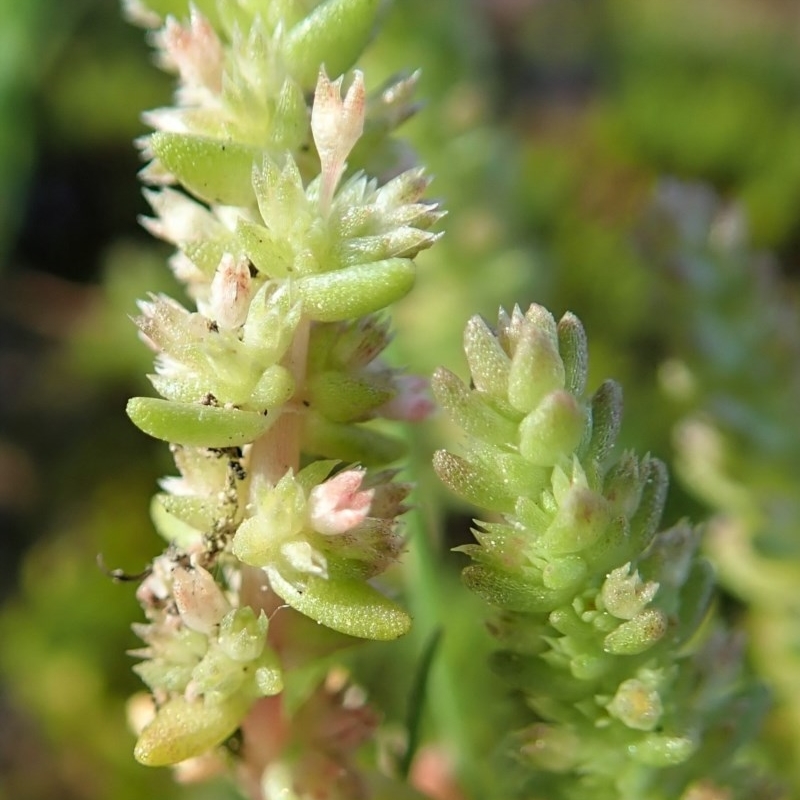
(172, 528)
(473, 482)
(273, 388)
(344, 398)
(180, 8)
(355, 291)
(644, 523)
(290, 123)
(468, 410)
(213, 170)
(183, 729)
(270, 255)
(574, 351)
(199, 513)
(552, 430)
(180, 389)
(695, 599)
(334, 34)
(661, 751)
(348, 606)
(489, 364)
(536, 369)
(315, 473)
(206, 254)
(196, 425)
(511, 592)
(353, 444)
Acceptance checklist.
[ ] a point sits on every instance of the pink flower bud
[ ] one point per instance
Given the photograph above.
(336, 125)
(337, 505)
(229, 298)
(195, 51)
(413, 401)
(200, 602)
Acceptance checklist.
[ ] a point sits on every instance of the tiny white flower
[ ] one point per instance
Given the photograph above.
(336, 125)
(195, 52)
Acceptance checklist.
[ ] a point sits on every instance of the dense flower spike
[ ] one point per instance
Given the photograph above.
(289, 255)
(600, 613)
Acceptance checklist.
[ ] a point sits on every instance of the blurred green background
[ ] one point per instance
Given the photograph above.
(551, 127)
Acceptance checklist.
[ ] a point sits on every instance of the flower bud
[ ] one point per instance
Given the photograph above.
(336, 126)
(636, 705)
(195, 52)
(412, 401)
(229, 297)
(268, 674)
(337, 505)
(279, 516)
(200, 602)
(180, 218)
(624, 594)
(553, 748)
(242, 635)
(271, 322)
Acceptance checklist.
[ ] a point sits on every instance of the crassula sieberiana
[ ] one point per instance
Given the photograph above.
(275, 178)
(270, 379)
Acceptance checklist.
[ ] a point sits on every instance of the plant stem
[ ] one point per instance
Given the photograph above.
(278, 450)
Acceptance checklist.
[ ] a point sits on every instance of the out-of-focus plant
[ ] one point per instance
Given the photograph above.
(735, 374)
